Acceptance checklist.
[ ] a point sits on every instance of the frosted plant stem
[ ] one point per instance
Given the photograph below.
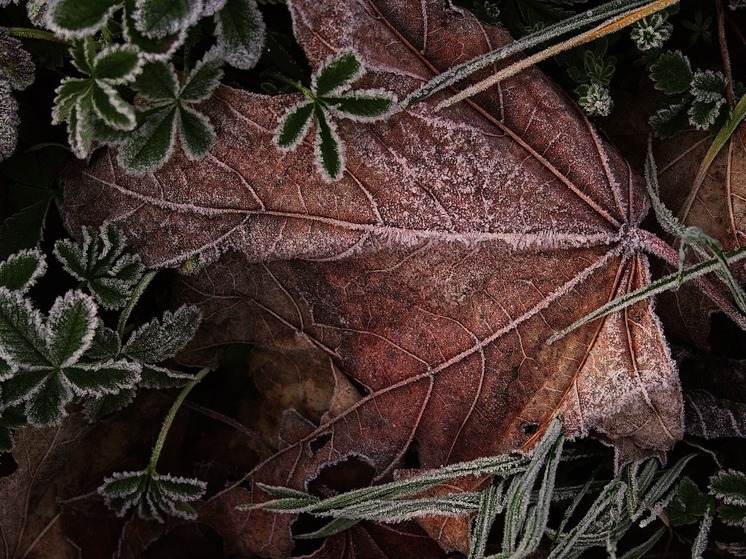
(136, 294)
(607, 27)
(663, 250)
(158, 447)
(38, 34)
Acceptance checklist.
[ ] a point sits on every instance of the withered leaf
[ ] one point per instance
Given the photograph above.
(433, 273)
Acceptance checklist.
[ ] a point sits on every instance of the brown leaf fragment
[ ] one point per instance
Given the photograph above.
(717, 206)
(432, 274)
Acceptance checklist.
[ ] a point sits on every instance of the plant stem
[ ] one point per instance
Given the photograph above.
(39, 34)
(136, 294)
(303, 89)
(158, 447)
(606, 28)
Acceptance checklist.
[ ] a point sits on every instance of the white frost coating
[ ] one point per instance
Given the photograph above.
(367, 94)
(329, 60)
(113, 51)
(40, 259)
(51, 23)
(301, 134)
(29, 319)
(120, 106)
(77, 306)
(237, 53)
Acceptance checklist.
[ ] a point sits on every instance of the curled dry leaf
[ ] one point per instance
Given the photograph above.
(432, 273)
(717, 206)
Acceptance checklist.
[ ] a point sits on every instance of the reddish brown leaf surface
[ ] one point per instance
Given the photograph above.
(432, 274)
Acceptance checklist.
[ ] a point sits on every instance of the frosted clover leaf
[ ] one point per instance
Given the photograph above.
(153, 495)
(77, 18)
(240, 31)
(44, 356)
(729, 487)
(651, 32)
(595, 99)
(170, 115)
(92, 106)
(330, 97)
(100, 262)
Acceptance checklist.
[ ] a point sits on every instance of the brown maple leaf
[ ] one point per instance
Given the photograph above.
(432, 274)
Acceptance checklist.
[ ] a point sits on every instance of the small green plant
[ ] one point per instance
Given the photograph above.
(69, 354)
(330, 97)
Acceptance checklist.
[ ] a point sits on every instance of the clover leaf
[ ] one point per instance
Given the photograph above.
(99, 261)
(170, 115)
(42, 356)
(153, 495)
(73, 18)
(330, 97)
(21, 270)
(93, 105)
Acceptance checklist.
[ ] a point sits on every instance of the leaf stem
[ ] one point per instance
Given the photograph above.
(607, 27)
(303, 89)
(38, 34)
(665, 283)
(158, 447)
(136, 294)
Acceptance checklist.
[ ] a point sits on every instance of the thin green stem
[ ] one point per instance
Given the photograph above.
(158, 447)
(300, 87)
(136, 294)
(665, 283)
(39, 34)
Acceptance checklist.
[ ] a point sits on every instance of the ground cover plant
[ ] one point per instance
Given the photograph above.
(357, 279)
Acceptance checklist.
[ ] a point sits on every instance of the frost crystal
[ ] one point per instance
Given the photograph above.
(9, 121)
(595, 99)
(15, 63)
(651, 32)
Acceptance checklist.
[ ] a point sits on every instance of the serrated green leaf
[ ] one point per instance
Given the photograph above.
(241, 33)
(112, 109)
(730, 487)
(82, 54)
(108, 377)
(79, 18)
(97, 408)
(338, 72)
(365, 105)
(21, 331)
(157, 82)
(117, 65)
(150, 145)
(105, 344)
(670, 119)
(703, 114)
(158, 340)
(733, 515)
(328, 147)
(21, 270)
(47, 405)
(161, 377)
(708, 87)
(202, 80)
(196, 133)
(22, 386)
(68, 94)
(688, 506)
(150, 49)
(80, 127)
(70, 328)
(160, 18)
(294, 125)
(671, 73)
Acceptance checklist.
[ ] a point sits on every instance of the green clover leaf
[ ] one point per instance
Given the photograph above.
(170, 115)
(330, 98)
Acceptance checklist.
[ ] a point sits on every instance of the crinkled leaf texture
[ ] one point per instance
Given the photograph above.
(432, 272)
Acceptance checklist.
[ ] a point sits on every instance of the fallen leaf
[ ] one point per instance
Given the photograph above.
(432, 273)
